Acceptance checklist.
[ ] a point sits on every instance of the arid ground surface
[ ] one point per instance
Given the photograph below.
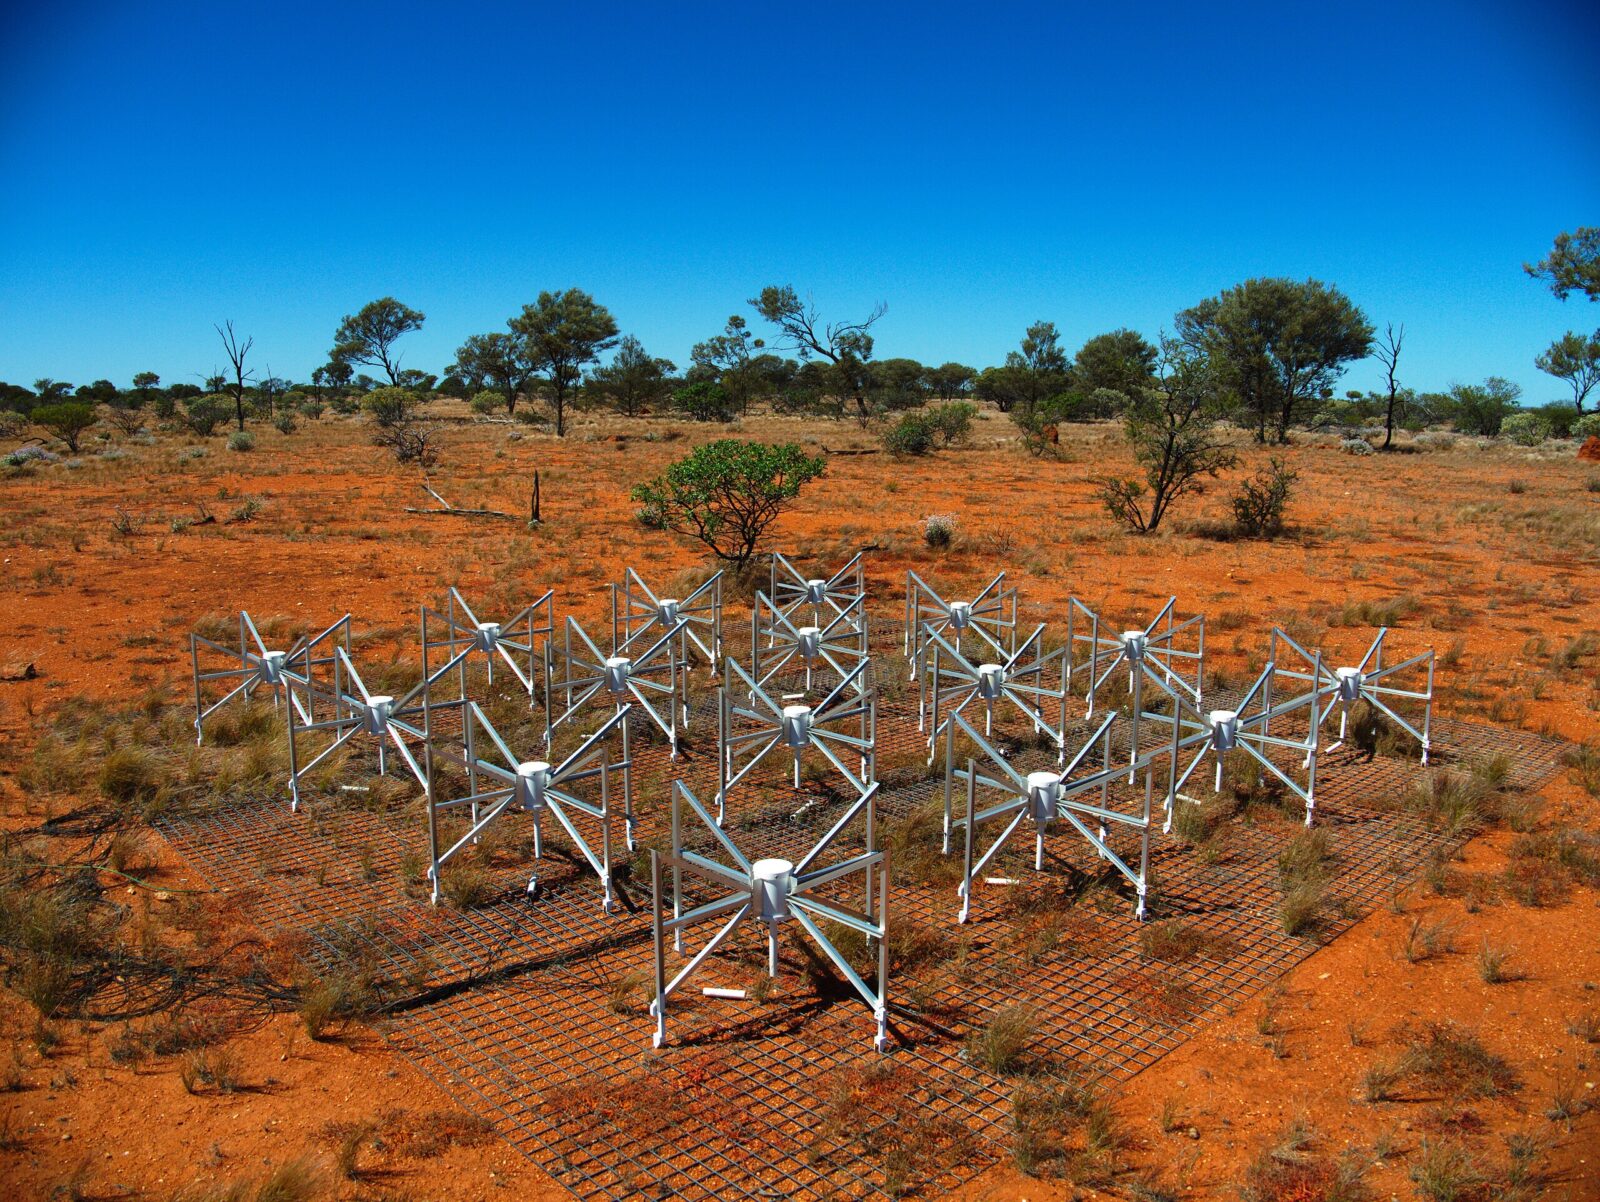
(1451, 1033)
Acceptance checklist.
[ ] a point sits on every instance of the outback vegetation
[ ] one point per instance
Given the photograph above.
(1216, 460)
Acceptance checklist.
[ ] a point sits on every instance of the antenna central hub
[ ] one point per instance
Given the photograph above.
(961, 614)
(991, 678)
(1350, 680)
(771, 882)
(375, 715)
(1044, 791)
(487, 636)
(533, 778)
(816, 591)
(1134, 642)
(667, 611)
(1224, 729)
(810, 639)
(272, 666)
(618, 669)
(797, 725)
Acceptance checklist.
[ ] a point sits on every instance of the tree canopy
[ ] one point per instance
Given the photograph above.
(1573, 264)
(1576, 360)
(1278, 345)
(497, 360)
(845, 345)
(633, 381)
(563, 333)
(369, 336)
(728, 493)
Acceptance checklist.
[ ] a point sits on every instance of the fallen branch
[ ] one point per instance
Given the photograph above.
(450, 511)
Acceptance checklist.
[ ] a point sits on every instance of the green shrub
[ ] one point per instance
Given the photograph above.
(913, 434)
(1525, 429)
(67, 421)
(1587, 426)
(486, 402)
(1259, 504)
(952, 422)
(704, 401)
(203, 414)
(241, 440)
(727, 493)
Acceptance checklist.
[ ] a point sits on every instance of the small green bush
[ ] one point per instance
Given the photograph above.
(913, 434)
(1258, 506)
(485, 403)
(1587, 426)
(1525, 429)
(241, 440)
(952, 422)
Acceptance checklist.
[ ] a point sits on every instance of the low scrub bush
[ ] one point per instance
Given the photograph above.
(1259, 505)
(913, 434)
(1525, 429)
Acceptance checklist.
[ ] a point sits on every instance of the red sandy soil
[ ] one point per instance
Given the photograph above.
(1496, 548)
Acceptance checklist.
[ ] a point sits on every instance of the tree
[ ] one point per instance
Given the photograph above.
(332, 378)
(1037, 371)
(1575, 359)
(897, 384)
(633, 381)
(729, 359)
(1278, 345)
(67, 420)
(271, 391)
(951, 381)
(1122, 361)
(1006, 387)
(564, 332)
(498, 361)
(1172, 428)
(727, 493)
(370, 335)
(1573, 264)
(704, 401)
(51, 391)
(845, 345)
(203, 412)
(1483, 408)
(1387, 352)
(236, 351)
(101, 392)
(126, 410)
(145, 383)
(1039, 421)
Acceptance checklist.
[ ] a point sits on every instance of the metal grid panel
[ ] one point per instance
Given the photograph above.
(513, 1029)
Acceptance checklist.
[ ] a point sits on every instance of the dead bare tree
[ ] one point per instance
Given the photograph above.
(846, 345)
(236, 351)
(1387, 351)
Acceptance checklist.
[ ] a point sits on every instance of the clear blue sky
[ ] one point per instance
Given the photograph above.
(977, 167)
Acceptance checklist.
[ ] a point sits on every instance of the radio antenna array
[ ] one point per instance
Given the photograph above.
(499, 782)
(298, 676)
(749, 731)
(769, 892)
(1084, 803)
(1371, 681)
(638, 616)
(834, 649)
(517, 641)
(578, 673)
(816, 600)
(990, 618)
(952, 682)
